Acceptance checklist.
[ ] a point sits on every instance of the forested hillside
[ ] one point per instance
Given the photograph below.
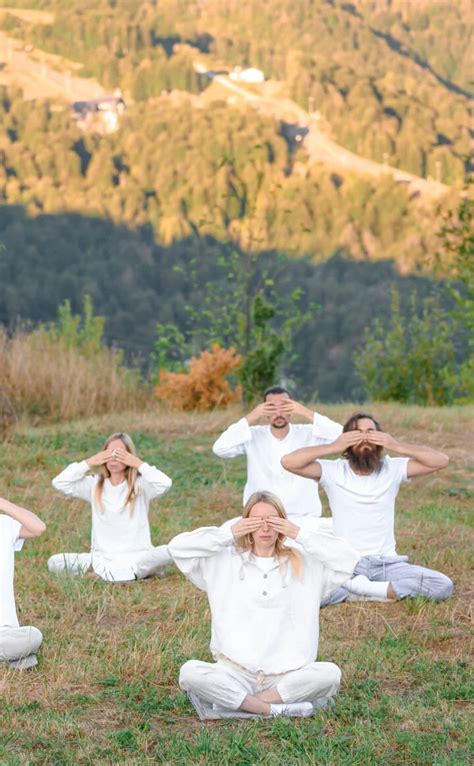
(219, 171)
(391, 79)
(141, 217)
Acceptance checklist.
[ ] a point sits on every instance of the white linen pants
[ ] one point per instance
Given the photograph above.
(121, 569)
(225, 684)
(18, 646)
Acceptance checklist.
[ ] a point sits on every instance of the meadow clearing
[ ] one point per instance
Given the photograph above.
(105, 691)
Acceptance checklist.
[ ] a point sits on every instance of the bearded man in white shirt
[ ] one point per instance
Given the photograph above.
(18, 646)
(264, 599)
(362, 487)
(265, 445)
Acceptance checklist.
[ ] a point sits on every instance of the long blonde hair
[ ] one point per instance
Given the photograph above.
(130, 473)
(281, 551)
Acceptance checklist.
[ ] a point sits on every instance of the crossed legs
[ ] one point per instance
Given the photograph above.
(226, 688)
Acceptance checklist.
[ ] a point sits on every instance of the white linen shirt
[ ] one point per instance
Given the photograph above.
(9, 543)
(263, 620)
(264, 452)
(363, 507)
(118, 533)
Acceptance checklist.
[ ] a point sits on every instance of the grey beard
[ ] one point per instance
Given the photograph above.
(367, 461)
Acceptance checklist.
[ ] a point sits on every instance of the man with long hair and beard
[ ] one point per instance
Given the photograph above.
(362, 487)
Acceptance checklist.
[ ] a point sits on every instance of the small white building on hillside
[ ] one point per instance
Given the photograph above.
(250, 75)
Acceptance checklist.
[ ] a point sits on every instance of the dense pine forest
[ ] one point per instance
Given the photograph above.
(141, 219)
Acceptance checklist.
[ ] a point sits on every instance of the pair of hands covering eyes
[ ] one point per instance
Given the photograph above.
(253, 523)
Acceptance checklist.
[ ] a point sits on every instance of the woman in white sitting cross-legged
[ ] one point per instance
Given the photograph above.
(264, 599)
(119, 490)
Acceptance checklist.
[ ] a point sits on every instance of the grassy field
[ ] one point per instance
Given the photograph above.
(105, 691)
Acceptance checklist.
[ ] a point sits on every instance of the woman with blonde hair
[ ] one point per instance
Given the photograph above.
(119, 489)
(264, 599)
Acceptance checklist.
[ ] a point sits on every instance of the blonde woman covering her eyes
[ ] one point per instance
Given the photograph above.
(264, 599)
(119, 487)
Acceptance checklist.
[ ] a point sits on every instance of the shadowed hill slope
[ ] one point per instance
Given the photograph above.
(136, 283)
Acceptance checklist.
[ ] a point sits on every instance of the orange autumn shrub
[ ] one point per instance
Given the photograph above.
(205, 385)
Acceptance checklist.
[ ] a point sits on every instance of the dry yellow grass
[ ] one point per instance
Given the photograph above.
(47, 379)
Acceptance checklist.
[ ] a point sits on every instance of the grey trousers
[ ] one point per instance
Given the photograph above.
(407, 579)
(18, 646)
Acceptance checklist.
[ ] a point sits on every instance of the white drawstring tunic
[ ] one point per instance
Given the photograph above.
(265, 619)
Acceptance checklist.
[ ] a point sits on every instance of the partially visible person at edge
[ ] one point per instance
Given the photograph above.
(362, 487)
(265, 445)
(264, 600)
(120, 491)
(18, 646)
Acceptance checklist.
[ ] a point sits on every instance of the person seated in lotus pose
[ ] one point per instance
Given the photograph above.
(362, 487)
(18, 646)
(264, 599)
(120, 494)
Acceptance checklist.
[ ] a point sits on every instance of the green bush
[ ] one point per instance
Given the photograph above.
(413, 359)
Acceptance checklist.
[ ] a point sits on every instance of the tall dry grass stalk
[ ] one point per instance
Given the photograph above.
(43, 377)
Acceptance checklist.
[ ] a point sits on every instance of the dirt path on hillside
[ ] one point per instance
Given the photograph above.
(43, 75)
(321, 148)
(30, 15)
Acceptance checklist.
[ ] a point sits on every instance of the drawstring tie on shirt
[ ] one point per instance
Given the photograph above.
(260, 679)
(284, 573)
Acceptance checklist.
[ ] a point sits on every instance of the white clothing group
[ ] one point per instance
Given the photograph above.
(265, 618)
